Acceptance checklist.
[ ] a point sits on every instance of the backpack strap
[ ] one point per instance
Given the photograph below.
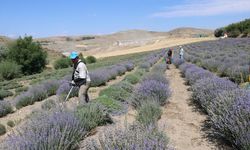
(74, 69)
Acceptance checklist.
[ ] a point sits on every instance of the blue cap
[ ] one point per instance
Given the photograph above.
(73, 55)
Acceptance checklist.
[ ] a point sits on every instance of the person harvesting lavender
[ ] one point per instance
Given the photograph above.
(169, 56)
(181, 53)
(80, 77)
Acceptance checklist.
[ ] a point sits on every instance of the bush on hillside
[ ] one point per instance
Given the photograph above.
(63, 62)
(2, 129)
(11, 123)
(9, 70)
(219, 32)
(3, 52)
(90, 59)
(28, 54)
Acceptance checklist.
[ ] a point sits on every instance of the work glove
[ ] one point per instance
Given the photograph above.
(72, 83)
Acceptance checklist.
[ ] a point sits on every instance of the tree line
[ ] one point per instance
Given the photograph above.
(239, 29)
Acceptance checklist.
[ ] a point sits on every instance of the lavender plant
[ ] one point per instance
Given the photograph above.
(51, 86)
(227, 57)
(135, 137)
(151, 90)
(148, 113)
(92, 115)
(230, 119)
(206, 89)
(52, 130)
(5, 108)
(156, 76)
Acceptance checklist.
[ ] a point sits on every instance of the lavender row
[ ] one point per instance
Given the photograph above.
(101, 76)
(153, 87)
(143, 134)
(61, 87)
(228, 57)
(227, 105)
(151, 59)
(57, 129)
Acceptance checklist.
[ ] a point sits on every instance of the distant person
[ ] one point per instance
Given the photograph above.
(80, 78)
(169, 54)
(181, 53)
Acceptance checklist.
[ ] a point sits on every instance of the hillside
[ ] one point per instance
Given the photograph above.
(123, 40)
(4, 40)
(189, 33)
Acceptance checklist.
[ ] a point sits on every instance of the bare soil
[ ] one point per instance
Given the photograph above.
(159, 44)
(184, 123)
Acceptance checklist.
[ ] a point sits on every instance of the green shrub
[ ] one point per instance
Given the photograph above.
(90, 59)
(2, 129)
(115, 92)
(110, 104)
(148, 113)
(140, 72)
(132, 78)
(3, 52)
(5, 93)
(125, 86)
(63, 62)
(12, 85)
(11, 123)
(5, 108)
(49, 104)
(28, 54)
(21, 89)
(219, 32)
(9, 70)
(24, 101)
(92, 115)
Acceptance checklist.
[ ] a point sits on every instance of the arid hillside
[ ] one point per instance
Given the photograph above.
(121, 41)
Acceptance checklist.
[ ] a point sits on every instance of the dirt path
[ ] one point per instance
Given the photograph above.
(184, 124)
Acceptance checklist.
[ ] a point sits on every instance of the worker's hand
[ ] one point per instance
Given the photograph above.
(72, 83)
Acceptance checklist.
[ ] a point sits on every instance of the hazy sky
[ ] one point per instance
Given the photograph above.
(41, 18)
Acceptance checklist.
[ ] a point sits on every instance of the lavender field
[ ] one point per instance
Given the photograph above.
(226, 104)
(227, 57)
(56, 127)
(143, 85)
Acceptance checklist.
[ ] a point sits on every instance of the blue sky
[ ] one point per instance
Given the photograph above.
(80, 17)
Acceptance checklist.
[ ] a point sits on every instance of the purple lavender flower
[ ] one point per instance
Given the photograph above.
(5, 108)
(151, 90)
(134, 137)
(55, 130)
(51, 86)
(206, 89)
(230, 117)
